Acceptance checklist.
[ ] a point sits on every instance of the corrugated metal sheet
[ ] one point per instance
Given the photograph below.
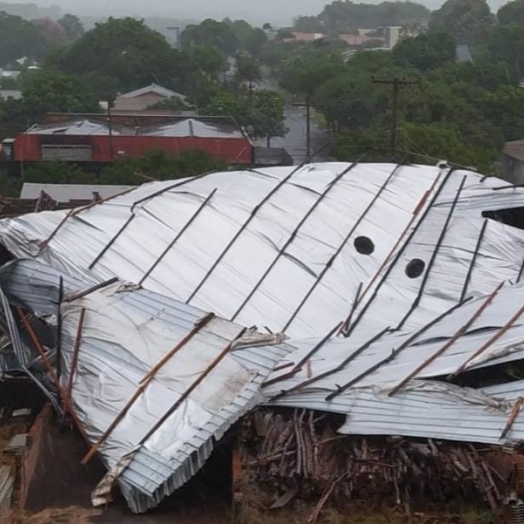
(422, 410)
(276, 248)
(127, 330)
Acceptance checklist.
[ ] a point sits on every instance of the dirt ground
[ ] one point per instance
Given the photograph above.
(60, 492)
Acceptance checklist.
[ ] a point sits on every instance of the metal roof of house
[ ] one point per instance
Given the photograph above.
(67, 192)
(175, 127)
(153, 88)
(72, 127)
(388, 280)
(196, 128)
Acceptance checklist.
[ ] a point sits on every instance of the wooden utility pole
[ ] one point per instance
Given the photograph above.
(396, 83)
(110, 128)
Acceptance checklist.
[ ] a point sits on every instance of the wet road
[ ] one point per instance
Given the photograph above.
(295, 140)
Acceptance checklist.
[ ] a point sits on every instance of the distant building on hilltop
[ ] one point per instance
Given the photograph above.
(145, 98)
(14, 94)
(379, 38)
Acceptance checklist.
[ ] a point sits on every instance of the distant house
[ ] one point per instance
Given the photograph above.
(513, 161)
(146, 97)
(305, 37)
(6, 94)
(6, 73)
(353, 39)
(383, 38)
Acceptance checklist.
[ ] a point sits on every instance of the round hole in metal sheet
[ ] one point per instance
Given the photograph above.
(364, 245)
(415, 268)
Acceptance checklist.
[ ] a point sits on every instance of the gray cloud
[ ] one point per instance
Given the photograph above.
(256, 11)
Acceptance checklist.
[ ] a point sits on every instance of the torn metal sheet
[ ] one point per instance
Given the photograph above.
(126, 332)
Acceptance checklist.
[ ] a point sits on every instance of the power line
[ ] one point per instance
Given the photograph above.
(396, 84)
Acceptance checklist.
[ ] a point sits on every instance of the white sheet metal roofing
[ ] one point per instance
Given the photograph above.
(73, 127)
(126, 332)
(276, 248)
(153, 88)
(195, 128)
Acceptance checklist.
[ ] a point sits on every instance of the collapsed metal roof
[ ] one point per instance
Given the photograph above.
(389, 281)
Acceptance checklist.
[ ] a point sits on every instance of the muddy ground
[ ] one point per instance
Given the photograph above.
(60, 492)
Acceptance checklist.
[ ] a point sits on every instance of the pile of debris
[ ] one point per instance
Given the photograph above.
(385, 297)
(299, 454)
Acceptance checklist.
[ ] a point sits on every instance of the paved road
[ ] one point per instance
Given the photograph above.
(295, 140)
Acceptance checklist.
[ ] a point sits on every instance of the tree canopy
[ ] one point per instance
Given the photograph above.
(125, 50)
(262, 113)
(467, 21)
(345, 16)
(211, 33)
(72, 26)
(19, 39)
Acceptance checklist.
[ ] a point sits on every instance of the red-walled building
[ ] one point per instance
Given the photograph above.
(98, 139)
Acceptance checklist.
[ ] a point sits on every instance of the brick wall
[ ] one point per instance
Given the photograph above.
(24, 459)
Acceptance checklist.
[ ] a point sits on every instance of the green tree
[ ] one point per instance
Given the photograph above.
(72, 26)
(263, 114)
(512, 13)
(268, 114)
(211, 33)
(247, 70)
(351, 101)
(426, 51)
(486, 74)
(506, 44)
(57, 173)
(249, 38)
(159, 165)
(206, 60)
(308, 24)
(304, 73)
(417, 143)
(126, 50)
(467, 21)
(18, 39)
(49, 91)
(346, 16)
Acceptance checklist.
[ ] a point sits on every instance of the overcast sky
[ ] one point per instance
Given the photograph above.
(255, 11)
(279, 12)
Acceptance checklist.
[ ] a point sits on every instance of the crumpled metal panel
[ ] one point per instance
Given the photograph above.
(424, 409)
(125, 333)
